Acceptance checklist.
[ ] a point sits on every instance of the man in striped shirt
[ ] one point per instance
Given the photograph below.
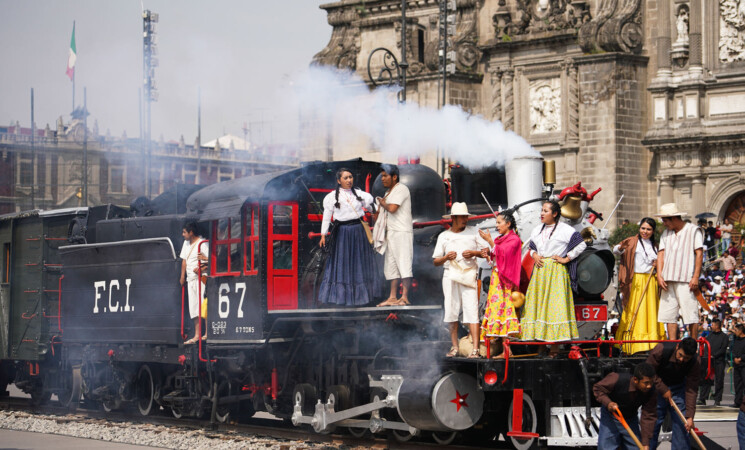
(678, 269)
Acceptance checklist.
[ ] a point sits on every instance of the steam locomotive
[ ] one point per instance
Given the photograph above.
(91, 310)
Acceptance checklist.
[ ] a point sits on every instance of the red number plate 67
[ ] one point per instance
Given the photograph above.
(591, 313)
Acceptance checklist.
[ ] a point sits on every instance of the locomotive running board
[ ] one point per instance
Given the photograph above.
(325, 417)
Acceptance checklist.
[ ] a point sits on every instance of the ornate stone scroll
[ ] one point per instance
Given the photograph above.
(343, 47)
(615, 27)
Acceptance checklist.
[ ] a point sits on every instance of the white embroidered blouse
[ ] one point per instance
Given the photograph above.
(349, 207)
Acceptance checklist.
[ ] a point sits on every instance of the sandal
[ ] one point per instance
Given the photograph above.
(453, 352)
(191, 341)
(403, 301)
(388, 302)
(474, 354)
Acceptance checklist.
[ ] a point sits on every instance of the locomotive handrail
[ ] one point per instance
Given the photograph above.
(598, 342)
(119, 243)
(199, 310)
(442, 222)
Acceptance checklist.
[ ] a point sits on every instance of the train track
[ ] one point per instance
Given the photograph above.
(262, 427)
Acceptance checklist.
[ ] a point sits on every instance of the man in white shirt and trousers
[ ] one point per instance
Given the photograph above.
(191, 255)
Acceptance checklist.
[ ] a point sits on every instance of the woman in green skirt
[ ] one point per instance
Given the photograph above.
(548, 314)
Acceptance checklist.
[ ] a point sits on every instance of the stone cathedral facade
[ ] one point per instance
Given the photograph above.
(643, 98)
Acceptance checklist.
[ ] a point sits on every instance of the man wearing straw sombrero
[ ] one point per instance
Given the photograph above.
(678, 269)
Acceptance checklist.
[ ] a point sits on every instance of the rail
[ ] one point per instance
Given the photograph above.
(442, 222)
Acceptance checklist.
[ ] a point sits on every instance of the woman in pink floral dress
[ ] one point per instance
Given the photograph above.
(500, 318)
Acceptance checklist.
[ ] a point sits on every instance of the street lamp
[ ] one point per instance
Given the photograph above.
(391, 64)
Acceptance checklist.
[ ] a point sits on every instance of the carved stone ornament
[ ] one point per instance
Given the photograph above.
(343, 46)
(731, 30)
(736, 157)
(687, 159)
(615, 27)
(535, 16)
(545, 106)
(722, 157)
(671, 159)
(679, 53)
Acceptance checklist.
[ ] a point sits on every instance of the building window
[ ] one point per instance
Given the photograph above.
(117, 180)
(190, 174)
(26, 176)
(226, 242)
(156, 182)
(226, 174)
(251, 239)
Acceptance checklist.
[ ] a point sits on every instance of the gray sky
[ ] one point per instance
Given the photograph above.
(240, 52)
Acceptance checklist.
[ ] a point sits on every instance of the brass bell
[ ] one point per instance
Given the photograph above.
(588, 235)
(518, 299)
(571, 208)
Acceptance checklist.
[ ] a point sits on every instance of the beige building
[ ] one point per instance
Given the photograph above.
(46, 172)
(642, 98)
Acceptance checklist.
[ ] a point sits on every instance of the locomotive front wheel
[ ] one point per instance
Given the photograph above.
(177, 412)
(444, 437)
(145, 389)
(305, 396)
(402, 436)
(530, 424)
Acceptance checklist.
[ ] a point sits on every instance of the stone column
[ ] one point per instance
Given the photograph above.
(572, 129)
(666, 190)
(508, 113)
(695, 58)
(698, 195)
(664, 70)
(496, 94)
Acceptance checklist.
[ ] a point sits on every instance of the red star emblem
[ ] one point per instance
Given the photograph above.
(460, 400)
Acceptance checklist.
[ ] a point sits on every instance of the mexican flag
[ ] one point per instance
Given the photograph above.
(73, 56)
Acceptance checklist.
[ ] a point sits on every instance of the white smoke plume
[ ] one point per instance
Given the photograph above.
(344, 102)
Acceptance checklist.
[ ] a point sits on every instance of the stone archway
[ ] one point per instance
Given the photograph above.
(735, 211)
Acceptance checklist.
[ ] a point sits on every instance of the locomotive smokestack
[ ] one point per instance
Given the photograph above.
(524, 182)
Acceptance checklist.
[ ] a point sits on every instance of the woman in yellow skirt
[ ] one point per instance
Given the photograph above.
(500, 317)
(638, 256)
(548, 314)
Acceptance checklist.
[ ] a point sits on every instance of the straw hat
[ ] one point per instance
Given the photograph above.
(458, 209)
(670, 210)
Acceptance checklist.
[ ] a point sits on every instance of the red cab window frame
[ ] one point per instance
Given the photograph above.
(252, 223)
(217, 243)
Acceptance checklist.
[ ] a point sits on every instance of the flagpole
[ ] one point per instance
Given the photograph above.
(73, 73)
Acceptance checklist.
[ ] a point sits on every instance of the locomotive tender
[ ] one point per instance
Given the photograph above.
(91, 310)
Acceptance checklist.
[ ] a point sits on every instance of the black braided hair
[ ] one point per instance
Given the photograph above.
(339, 173)
(509, 218)
(652, 223)
(555, 209)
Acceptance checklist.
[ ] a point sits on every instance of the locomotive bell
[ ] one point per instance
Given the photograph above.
(518, 299)
(571, 208)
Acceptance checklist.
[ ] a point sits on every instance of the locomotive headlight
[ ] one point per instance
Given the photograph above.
(594, 271)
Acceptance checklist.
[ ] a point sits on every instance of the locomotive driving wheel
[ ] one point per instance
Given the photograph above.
(530, 424)
(145, 389)
(444, 437)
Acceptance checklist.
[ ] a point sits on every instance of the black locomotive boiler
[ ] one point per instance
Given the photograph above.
(270, 346)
